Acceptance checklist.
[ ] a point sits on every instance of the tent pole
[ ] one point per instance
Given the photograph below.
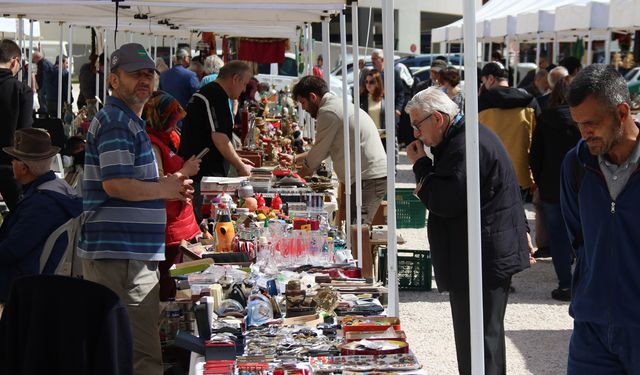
(538, 49)
(171, 53)
(516, 57)
(105, 49)
(312, 121)
(345, 128)
(356, 130)
(310, 48)
(388, 36)
(589, 47)
(60, 69)
(20, 43)
(506, 55)
(473, 193)
(607, 48)
(556, 48)
(70, 63)
(366, 43)
(326, 50)
(30, 54)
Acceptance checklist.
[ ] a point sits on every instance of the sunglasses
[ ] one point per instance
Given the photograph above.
(370, 82)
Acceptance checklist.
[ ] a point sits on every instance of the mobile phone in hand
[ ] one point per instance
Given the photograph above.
(202, 153)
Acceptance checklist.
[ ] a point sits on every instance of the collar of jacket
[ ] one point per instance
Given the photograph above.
(31, 187)
(586, 158)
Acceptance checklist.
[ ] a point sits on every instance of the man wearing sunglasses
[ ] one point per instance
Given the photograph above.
(16, 107)
(441, 186)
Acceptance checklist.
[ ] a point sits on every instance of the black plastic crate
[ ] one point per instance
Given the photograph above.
(414, 269)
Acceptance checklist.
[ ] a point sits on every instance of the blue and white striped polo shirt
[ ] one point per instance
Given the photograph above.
(118, 147)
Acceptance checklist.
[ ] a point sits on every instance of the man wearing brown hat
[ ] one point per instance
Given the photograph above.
(123, 232)
(47, 203)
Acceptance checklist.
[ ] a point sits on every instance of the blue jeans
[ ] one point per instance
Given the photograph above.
(604, 350)
(559, 243)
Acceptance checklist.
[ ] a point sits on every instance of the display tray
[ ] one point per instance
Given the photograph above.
(369, 323)
(372, 335)
(390, 362)
(377, 347)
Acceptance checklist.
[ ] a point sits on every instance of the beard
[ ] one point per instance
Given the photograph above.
(313, 111)
(600, 146)
(135, 96)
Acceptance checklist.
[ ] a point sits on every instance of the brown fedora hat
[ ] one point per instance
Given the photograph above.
(31, 144)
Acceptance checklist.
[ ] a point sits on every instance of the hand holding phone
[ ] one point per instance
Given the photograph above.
(202, 153)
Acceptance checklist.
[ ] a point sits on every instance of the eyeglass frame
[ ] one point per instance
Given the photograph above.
(19, 59)
(416, 126)
(369, 82)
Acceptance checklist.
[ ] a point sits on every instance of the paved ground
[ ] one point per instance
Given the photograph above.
(537, 327)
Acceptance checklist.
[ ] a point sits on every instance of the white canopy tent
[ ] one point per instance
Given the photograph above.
(590, 16)
(233, 18)
(624, 15)
(9, 27)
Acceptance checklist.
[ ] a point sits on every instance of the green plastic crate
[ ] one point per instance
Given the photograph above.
(414, 269)
(410, 211)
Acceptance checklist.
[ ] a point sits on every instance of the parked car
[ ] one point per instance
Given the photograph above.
(417, 62)
(632, 75)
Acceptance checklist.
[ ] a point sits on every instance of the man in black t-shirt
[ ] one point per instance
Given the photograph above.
(16, 109)
(209, 123)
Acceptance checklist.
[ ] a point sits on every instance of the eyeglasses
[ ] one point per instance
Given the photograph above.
(416, 126)
(370, 82)
(21, 66)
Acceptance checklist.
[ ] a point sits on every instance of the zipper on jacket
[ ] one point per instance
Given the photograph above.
(613, 207)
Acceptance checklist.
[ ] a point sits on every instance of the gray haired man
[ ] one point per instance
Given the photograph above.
(441, 186)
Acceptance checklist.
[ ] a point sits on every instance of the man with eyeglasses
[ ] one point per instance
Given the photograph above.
(16, 107)
(441, 186)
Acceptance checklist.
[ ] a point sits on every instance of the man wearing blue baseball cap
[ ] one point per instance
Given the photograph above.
(123, 235)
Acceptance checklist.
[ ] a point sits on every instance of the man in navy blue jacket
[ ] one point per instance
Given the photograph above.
(51, 85)
(179, 81)
(47, 203)
(600, 201)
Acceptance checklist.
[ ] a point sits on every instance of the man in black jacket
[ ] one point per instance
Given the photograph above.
(16, 107)
(441, 186)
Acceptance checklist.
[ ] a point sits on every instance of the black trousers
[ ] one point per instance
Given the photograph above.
(494, 306)
(9, 187)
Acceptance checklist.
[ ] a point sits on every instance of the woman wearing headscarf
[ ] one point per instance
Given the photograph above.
(162, 112)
